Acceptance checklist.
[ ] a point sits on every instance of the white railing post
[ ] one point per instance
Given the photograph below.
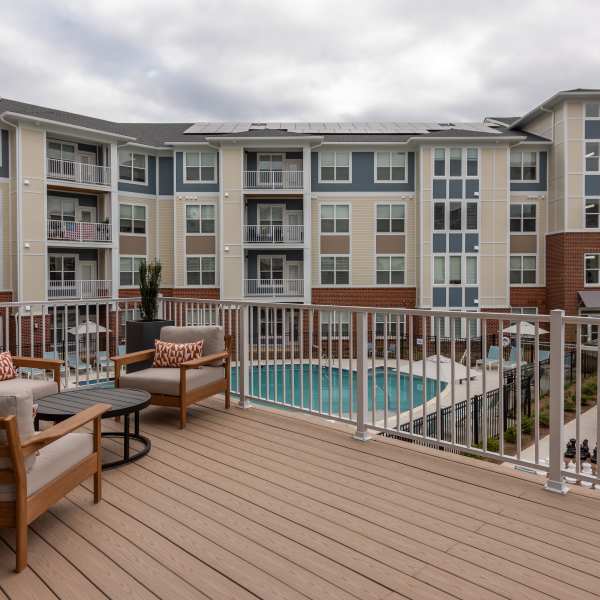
(555, 482)
(242, 356)
(362, 387)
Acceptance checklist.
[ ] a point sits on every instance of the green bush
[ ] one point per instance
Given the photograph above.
(493, 444)
(589, 388)
(545, 417)
(526, 424)
(510, 435)
(570, 403)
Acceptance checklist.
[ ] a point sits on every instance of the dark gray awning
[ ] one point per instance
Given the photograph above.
(589, 298)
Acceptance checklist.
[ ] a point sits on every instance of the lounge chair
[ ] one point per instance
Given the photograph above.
(76, 363)
(493, 358)
(511, 363)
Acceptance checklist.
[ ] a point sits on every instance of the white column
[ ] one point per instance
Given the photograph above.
(243, 350)
(307, 214)
(362, 376)
(114, 218)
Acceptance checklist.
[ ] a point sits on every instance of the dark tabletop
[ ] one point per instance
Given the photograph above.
(66, 404)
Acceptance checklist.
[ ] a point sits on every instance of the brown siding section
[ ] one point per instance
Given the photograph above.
(523, 243)
(132, 244)
(200, 244)
(390, 244)
(335, 244)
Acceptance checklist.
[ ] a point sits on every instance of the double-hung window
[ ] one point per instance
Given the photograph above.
(592, 157)
(592, 213)
(200, 218)
(200, 167)
(592, 110)
(522, 218)
(389, 270)
(335, 270)
(200, 270)
(592, 269)
(129, 270)
(390, 167)
(522, 269)
(335, 218)
(472, 162)
(132, 166)
(390, 218)
(523, 166)
(456, 162)
(335, 323)
(335, 166)
(455, 215)
(455, 270)
(132, 218)
(393, 321)
(439, 162)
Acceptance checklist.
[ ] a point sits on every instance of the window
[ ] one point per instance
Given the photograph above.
(455, 162)
(200, 218)
(524, 310)
(455, 216)
(592, 157)
(592, 110)
(132, 218)
(522, 269)
(200, 166)
(335, 166)
(200, 270)
(390, 218)
(132, 166)
(592, 269)
(439, 162)
(522, 218)
(454, 270)
(332, 322)
(439, 216)
(592, 213)
(472, 162)
(129, 269)
(390, 166)
(439, 269)
(471, 270)
(61, 151)
(523, 166)
(61, 209)
(390, 270)
(393, 321)
(472, 211)
(335, 270)
(335, 218)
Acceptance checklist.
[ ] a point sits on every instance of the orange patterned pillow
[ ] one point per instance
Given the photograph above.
(167, 354)
(7, 368)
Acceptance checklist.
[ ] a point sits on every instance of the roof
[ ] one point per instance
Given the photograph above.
(589, 298)
(503, 120)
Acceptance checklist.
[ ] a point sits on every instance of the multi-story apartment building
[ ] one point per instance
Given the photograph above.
(498, 215)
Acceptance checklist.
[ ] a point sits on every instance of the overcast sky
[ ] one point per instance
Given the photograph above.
(186, 60)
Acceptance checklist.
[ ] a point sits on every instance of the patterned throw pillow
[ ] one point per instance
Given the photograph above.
(167, 354)
(7, 368)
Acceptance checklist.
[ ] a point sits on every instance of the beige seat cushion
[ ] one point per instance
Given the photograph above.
(213, 336)
(40, 388)
(52, 461)
(20, 404)
(159, 380)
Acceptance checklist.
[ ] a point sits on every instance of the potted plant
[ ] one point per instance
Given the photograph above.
(142, 333)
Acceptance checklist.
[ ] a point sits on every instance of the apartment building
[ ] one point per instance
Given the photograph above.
(501, 215)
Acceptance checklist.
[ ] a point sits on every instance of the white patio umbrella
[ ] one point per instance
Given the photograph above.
(460, 371)
(527, 329)
(89, 327)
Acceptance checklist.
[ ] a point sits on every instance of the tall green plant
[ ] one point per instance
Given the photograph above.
(150, 275)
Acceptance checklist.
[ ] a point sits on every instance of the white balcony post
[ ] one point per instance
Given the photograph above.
(555, 482)
(362, 387)
(242, 355)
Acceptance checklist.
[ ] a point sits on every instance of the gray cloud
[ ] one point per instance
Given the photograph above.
(191, 60)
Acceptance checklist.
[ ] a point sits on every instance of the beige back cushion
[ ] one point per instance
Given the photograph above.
(213, 336)
(20, 405)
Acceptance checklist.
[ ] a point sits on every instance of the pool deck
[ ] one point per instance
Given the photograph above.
(260, 504)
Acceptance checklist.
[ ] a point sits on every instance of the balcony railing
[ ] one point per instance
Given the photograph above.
(274, 234)
(78, 231)
(80, 288)
(76, 172)
(272, 288)
(273, 180)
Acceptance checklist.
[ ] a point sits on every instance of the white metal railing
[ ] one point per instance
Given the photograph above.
(67, 170)
(273, 234)
(80, 288)
(272, 288)
(78, 231)
(273, 180)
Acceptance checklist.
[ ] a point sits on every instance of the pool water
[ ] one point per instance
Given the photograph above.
(280, 387)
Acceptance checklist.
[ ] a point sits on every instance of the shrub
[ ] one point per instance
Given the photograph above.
(510, 435)
(545, 417)
(526, 424)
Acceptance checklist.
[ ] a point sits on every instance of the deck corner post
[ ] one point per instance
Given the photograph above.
(243, 350)
(555, 482)
(362, 387)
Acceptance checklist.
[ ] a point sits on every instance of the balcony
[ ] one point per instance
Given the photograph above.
(78, 172)
(80, 288)
(274, 288)
(78, 231)
(275, 235)
(273, 180)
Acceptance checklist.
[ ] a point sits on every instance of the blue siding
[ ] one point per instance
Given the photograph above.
(5, 166)
(471, 187)
(455, 297)
(455, 189)
(439, 189)
(592, 185)
(149, 188)
(471, 240)
(439, 242)
(592, 130)
(192, 187)
(165, 175)
(439, 296)
(541, 185)
(471, 294)
(82, 199)
(455, 242)
(363, 176)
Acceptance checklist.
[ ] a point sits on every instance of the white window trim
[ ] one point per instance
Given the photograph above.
(390, 152)
(518, 310)
(132, 204)
(336, 285)
(141, 183)
(585, 200)
(200, 152)
(349, 232)
(133, 257)
(199, 203)
(524, 285)
(432, 328)
(463, 216)
(585, 283)
(535, 231)
(463, 270)
(393, 319)
(339, 181)
(537, 167)
(390, 203)
(200, 285)
(585, 117)
(585, 142)
(388, 285)
(335, 322)
(463, 174)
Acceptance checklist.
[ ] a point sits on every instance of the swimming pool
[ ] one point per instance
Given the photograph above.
(280, 387)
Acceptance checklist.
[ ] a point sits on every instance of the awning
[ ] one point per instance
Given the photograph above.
(589, 298)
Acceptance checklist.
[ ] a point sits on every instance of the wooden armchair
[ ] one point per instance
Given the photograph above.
(37, 471)
(195, 380)
(46, 364)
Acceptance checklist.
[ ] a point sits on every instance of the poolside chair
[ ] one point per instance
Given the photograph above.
(492, 359)
(75, 362)
(511, 363)
(392, 350)
(54, 356)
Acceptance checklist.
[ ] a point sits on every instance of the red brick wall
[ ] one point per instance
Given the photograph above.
(382, 297)
(529, 296)
(5, 296)
(200, 293)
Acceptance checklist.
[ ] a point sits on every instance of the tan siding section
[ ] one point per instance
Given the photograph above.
(575, 165)
(232, 219)
(165, 241)
(5, 254)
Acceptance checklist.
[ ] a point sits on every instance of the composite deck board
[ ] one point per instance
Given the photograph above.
(257, 504)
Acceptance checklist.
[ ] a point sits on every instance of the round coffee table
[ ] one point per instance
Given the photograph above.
(63, 405)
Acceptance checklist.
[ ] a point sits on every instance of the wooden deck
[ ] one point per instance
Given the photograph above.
(256, 504)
